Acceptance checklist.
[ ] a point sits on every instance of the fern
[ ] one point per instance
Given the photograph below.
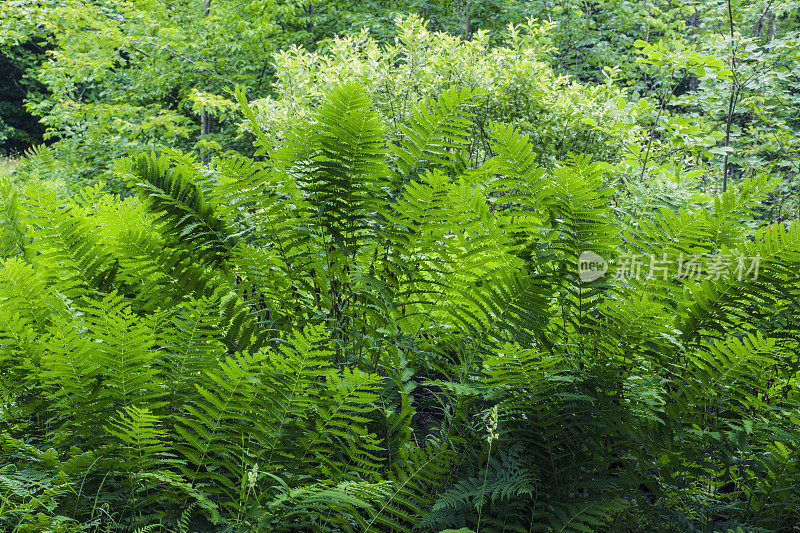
(138, 430)
(410, 497)
(180, 204)
(190, 344)
(506, 478)
(741, 368)
(218, 412)
(323, 508)
(436, 133)
(67, 246)
(342, 417)
(40, 163)
(583, 517)
(308, 342)
(13, 238)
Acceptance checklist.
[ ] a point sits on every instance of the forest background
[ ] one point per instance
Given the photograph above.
(97, 80)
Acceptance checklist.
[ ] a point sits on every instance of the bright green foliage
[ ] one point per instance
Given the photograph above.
(513, 84)
(111, 76)
(724, 97)
(757, 103)
(122, 76)
(371, 332)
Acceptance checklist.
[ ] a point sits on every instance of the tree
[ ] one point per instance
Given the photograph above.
(126, 75)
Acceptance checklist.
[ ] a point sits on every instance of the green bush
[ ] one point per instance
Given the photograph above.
(516, 85)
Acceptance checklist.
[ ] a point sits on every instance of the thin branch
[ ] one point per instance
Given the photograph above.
(760, 19)
(178, 55)
(731, 102)
(655, 125)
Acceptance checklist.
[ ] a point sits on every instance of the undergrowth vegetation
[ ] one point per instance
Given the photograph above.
(362, 330)
(7, 167)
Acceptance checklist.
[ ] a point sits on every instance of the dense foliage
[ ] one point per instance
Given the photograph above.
(426, 275)
(107, 77)
(323, 341)
(111, 77)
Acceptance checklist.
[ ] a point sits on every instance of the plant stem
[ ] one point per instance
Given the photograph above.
(485, 475)
(652, 134)
(731, 102)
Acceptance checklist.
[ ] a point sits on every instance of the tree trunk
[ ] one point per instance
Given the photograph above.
(731, 102)
(466, 19)
(205, 123)
(773, 27)
(694, 22)
(205, 119)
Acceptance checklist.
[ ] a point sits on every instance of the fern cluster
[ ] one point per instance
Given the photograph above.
(320, 340)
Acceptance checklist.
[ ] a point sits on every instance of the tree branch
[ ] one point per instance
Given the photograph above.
(731, 102)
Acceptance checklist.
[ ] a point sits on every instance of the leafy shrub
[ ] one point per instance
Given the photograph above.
(516, 83)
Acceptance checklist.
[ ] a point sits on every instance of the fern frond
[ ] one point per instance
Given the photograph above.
(190, 344)
(181, 492)
(70, 368)
(178, 200)
(219, 415)
(734, 371)
(26, 292)
(340, 423)
(331, 508)
(506, 477)
(435, 133)
(396, 406)
(125, 351)
(242, 187)
(580, 211)
(69, 250)
(13, 239)
(347, 171)
(40, 163)
(583, 516)
(294, 392)
(143, 440)
(413, 487)
(520, 184)
(745, 293)
(444, 243)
